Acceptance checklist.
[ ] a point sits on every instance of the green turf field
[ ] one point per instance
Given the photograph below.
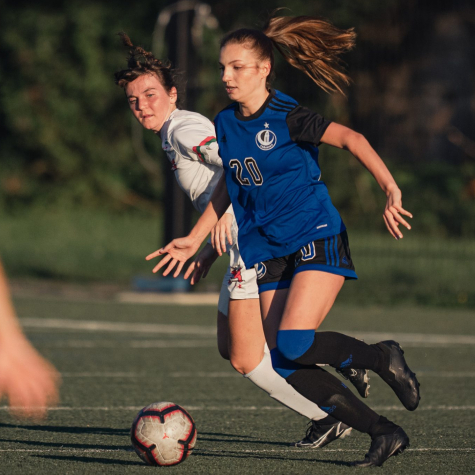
(116, 358)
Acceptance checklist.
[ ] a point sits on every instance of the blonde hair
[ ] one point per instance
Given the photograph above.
(311, 44)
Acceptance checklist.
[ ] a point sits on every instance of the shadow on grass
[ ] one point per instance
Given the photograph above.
(204, 436)
(61, 445)
(72, 458)
(220, 434)
(238, 439)
(286, 457)
(228, 455)
(70, 430)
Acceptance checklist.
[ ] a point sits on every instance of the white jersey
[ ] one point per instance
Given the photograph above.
(190, 143)
(189, 140)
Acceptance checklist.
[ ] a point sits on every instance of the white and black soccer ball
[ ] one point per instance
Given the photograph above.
(163, 434)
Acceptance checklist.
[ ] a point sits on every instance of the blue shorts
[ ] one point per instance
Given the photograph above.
(330, 254)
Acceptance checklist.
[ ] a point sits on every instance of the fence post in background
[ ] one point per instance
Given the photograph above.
(179, 27)
(176, 22)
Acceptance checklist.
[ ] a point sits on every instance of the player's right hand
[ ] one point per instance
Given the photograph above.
(176, 253)
(222, 232)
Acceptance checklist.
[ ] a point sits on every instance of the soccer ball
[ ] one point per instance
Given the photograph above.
(163, 434)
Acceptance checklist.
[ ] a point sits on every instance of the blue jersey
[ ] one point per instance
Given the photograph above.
(273, 177)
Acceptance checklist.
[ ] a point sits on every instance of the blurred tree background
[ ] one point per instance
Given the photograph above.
(67, 148)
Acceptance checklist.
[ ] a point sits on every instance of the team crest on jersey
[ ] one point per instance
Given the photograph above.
(266, 139)
(261, 270)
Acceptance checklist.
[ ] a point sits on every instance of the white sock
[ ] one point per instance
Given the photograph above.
(264, 377)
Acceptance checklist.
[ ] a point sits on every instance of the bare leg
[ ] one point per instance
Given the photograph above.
(247, 356)
(306, 308)
(246, 336)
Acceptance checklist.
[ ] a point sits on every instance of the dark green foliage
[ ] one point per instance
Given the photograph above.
(65, 130)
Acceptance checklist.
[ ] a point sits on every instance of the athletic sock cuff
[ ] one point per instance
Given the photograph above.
(294, 343)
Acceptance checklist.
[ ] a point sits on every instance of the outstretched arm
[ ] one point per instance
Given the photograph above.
(342, 137)
(26, 378)
(181, 249)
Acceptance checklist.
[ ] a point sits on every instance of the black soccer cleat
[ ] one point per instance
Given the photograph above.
(398, 375)
(318, 435)
(383, 447)
(358, 377)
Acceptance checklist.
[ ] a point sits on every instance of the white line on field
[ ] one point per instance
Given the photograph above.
(240, 408)
(177, 298)
(68, 450)
(103, 375)
(448, 374)
(421, 449)
(261, 451)
(204, 374)
(225, 374)
(111, 374)
(295, 450)
(419, 339)
(62, 343)
(173, 344)
(204, 343)
(91, 325)
(415, 338)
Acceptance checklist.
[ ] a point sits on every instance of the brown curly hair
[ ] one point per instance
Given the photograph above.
(142, 62)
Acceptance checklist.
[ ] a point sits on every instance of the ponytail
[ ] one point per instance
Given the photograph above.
(310, 44)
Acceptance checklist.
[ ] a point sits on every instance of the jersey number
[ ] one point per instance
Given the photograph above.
(251, 167)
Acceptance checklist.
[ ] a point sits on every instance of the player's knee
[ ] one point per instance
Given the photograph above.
(294, 343)
(244, 365)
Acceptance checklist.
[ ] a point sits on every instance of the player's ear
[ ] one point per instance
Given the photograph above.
(265, 68)
(173, 95)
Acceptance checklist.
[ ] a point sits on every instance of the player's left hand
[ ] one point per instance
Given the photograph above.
(202, 264)
(222, 232)
(393, 211)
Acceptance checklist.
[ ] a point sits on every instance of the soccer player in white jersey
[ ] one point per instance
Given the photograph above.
(189, 141)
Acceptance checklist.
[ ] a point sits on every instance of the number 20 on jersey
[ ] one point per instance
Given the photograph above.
(251, 167)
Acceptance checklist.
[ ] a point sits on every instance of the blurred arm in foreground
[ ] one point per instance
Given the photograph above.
(26, 378)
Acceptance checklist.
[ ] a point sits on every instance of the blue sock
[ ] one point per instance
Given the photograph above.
(282, 366)
(294, 343)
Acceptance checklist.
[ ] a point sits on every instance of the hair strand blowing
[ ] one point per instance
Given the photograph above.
(313, 45)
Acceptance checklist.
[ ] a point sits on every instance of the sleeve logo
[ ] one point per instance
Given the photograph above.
(201, 149)
(266, 139)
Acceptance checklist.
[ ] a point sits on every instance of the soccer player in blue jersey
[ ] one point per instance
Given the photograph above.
(188, 139)
(289, 229)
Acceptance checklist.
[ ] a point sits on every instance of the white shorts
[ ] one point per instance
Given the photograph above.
(239, 283)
